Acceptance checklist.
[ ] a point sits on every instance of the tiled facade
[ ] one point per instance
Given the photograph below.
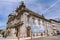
(24, 20)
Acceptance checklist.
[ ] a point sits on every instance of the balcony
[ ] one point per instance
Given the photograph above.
(13, 25)
(18, 24)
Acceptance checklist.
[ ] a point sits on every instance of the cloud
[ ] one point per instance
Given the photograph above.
(9, 0)
(51, 6)
(2, 25)
(53, 12)
(27, 1)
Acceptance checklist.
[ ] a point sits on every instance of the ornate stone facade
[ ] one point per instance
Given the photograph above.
(21, 23)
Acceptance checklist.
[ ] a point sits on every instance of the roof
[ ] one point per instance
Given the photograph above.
(54, 20)
(22, 8)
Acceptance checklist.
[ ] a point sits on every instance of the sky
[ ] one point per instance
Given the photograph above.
(49, 8)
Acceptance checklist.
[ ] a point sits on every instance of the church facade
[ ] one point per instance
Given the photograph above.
(23, 21)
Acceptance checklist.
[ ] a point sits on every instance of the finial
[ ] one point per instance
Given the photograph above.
(22, 4)
(42, 15)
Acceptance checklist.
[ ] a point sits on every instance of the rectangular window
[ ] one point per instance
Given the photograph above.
(33, 19)
(38, 21)
(28, 17)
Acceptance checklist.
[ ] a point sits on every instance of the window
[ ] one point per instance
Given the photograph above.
(38, 21)
(27, 18)
(33, 19)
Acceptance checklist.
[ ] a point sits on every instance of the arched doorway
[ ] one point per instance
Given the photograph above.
(28, 31)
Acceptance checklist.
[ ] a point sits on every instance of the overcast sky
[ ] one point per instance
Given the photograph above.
(49, 8)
